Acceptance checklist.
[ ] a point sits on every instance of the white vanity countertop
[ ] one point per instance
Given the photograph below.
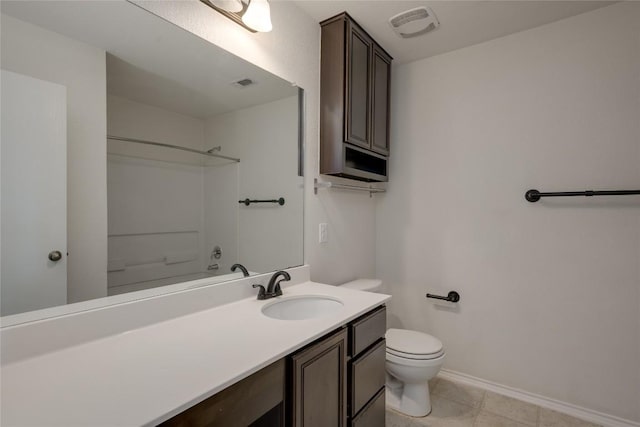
(147, 375)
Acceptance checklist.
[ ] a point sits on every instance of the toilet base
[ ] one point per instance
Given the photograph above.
(409, 399)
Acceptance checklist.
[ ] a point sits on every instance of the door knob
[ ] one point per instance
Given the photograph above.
(55, 256)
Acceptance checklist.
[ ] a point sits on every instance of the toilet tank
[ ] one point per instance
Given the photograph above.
(367, 285)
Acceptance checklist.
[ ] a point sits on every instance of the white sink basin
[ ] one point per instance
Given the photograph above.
(302, 307)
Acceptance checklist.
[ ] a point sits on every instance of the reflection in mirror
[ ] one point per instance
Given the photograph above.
(127, 146)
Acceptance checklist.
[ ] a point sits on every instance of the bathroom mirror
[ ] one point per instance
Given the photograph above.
(137, 159)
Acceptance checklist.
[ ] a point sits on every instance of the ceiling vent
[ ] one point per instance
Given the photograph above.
(243, 83)
(414, 22)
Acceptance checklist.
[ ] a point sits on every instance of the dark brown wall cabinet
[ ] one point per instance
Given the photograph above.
(355, 74)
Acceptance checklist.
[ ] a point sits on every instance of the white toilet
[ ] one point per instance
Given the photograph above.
(413, 358)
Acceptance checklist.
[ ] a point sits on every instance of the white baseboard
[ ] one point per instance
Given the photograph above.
(596, 417)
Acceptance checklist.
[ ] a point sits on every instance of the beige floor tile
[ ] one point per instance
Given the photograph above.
(433, 382)
(549, 418)
(394, 419)
(487, 419)
(446, 413)
(461, 393)
(508, 407)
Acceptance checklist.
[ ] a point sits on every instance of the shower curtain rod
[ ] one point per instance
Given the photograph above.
(175, 147)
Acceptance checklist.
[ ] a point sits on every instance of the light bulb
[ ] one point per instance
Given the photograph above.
(258, 16)
(228, 5)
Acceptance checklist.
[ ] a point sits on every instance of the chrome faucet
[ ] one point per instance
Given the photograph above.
(273, 288)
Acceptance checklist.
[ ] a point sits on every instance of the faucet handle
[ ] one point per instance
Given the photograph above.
(262, 293)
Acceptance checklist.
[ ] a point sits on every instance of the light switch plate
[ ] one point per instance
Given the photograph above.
(323, 232)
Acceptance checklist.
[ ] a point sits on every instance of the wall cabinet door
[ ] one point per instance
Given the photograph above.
(380, 84)
(319, 383)
(358, 123)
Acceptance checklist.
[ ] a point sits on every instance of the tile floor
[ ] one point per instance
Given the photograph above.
(458, 405)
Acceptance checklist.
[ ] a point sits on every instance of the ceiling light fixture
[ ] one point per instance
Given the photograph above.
(254, 15)
(258, 16)
(228, 5)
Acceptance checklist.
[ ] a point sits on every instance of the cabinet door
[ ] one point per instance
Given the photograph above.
(381, 82)
(319, 386)
(358, 111)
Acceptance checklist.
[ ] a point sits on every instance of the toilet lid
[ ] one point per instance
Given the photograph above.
(422, 357)
(412, 342)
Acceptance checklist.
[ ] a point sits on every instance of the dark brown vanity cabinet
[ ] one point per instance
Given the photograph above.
(336, 381)
(339, 379)
(256, 401)
(366, 368)
(354, 97)
(318, 383)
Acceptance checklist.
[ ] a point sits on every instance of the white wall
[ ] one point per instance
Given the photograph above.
(30, 50)
(550, 292)
(292, 51)
(269, 235)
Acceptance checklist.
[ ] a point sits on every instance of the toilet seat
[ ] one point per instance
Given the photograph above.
(413, 345)
(415, 363)
(411, 356)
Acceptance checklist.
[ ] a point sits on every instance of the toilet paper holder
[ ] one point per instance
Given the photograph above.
(452, 296)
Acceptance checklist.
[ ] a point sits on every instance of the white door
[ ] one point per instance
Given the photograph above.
(33, 194)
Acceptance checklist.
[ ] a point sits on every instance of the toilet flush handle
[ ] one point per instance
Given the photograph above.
(452, 296)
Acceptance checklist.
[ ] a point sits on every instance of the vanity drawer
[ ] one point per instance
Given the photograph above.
(367, 330)
(367, 376)
(372, 415)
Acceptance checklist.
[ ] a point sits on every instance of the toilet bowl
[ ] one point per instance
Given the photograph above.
(412, 359)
